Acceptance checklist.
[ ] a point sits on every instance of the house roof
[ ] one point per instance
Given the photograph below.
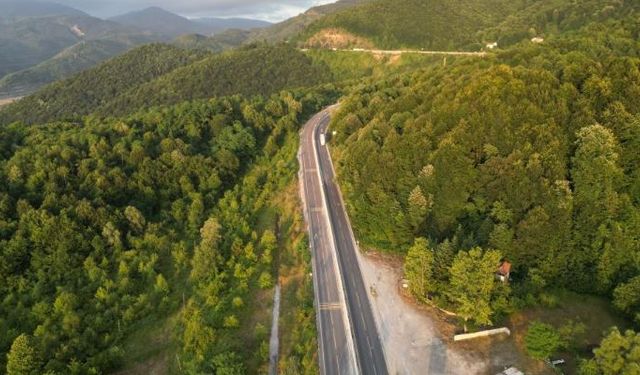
(504, 268)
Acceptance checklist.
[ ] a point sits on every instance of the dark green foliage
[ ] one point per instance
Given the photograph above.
(168, 75)
(216, 43)
(257, 70)
(87, 91)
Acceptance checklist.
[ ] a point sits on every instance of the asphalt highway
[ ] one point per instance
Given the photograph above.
(347, 334)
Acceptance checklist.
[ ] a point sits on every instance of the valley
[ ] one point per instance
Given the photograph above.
(366, 187)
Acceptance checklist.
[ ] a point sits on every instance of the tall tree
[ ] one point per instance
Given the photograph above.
(596, 177)
(206, 255)
(22, 358)
(617, 354)
(418, 269)
(472, 283)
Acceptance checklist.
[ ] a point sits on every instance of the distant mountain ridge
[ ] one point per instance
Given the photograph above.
(158, 20)
(42, 42)
(22, 8)
(284, 31)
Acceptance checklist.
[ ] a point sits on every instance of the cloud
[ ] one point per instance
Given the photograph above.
(271, 10)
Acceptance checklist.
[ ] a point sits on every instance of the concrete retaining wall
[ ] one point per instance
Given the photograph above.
(475, 335)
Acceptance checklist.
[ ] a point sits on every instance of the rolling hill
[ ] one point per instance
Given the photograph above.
(46, 42)
(433, 25)
(80, 56)
(216, 25)
(161, 74)
(12, 9)
(461, 24)
(84, 92)
(160, 21)
(284, 31)
(144, 200)
(290, 28)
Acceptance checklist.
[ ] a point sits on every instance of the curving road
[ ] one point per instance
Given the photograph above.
(348, 339)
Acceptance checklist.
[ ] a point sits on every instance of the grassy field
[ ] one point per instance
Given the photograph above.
(594, 312)
(150, 349)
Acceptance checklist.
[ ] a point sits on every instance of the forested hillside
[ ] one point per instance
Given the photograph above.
(149, 205)
(28, 41)
(253, 70)
(434, 25)
(80, 56)
(85, 92)
(113, 222)
(531, 156)
(465, 24)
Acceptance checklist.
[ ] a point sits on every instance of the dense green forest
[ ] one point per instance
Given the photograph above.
(112, 222)
(252, 70)
(465, 24)
(434, 25)
(159, 187)
(161, 74)
(85, 92)
(529, 156)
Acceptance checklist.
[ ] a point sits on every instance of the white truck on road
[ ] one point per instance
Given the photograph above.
(323, 139)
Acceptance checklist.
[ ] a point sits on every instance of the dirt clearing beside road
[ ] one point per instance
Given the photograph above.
(417, 340)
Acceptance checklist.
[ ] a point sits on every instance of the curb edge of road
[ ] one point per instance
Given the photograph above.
(346, 310)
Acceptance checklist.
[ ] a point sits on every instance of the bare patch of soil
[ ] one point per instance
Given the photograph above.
(7, 101)
(338, 38)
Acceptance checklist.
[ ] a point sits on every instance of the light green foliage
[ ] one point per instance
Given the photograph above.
(542, 340)
(618, 354)
(22, 358)
(419, 269)
(265, 281)
(123, 218)
(228, 364)
(204, 261)
(419, 24)
(231, 321)
(532, 152)
(472, 284)
(626, 298)
(418, 206)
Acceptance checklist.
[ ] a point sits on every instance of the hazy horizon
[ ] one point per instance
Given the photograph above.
(267, 10)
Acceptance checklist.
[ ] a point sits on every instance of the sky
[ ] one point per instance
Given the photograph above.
(268, 10)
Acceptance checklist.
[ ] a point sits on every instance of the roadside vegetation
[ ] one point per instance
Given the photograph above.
(529, 157)
(112, 225)
(149, 205)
